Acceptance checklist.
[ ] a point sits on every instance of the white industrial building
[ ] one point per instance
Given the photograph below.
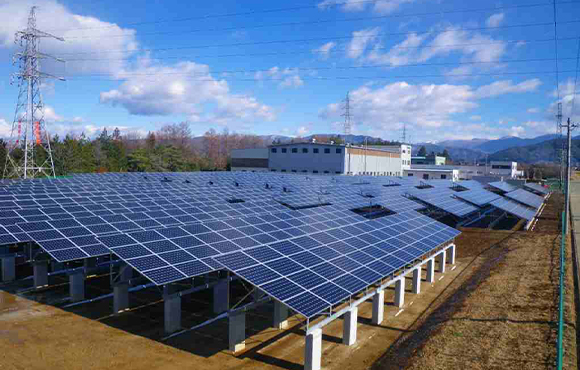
(321, 158)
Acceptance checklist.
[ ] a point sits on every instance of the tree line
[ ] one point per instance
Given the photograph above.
(172, 148)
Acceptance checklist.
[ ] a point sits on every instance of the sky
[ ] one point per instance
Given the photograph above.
(444, 69)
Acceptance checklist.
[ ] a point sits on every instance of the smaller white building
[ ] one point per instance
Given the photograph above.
(433, 172)
(504, 168)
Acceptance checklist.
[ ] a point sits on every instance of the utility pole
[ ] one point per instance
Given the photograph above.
(569, 126)
(347, 116)
(29, 154)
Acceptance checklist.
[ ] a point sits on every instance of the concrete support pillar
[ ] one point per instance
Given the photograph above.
(221, 296)
(431, 270)
(417, 280)
(378, 307)
(237, 331)
(77, 286)
(40, 272)
(400, 292)
(120, 297)
(349, 326)
(8, 268)
(172, 313)
(451, 255)
(280, 315)
(313, 350)
(441, 262)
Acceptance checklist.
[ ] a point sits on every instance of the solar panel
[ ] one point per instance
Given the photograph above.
(479, 197)
(525, 197)
(503, 186)
(443, 199)
(514, 208)
(537, 188)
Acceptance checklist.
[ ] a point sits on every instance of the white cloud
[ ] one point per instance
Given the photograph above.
(50, 115)
(157, 90)
(360, 40)
(566, 98)
(507, 86)
(324, 51)
(495, 20)
(379, 6)
(96, 37)
(533, 110)
(426, 109)
(415, 49)
(286, 78)
(5, 128)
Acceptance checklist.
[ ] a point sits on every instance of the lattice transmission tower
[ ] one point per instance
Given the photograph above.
(29, 153)
(347, 116)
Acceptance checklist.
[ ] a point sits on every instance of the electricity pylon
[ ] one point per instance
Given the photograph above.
(29, 153)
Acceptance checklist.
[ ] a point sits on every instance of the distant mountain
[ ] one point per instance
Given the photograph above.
(352, 139)
(457, 154)
(467, 144)
(493, 146)
(543, 152)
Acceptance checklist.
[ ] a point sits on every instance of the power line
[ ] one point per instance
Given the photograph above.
(313, 78)
(381, 65)
(303, 41)
(575, 79)
(556, 51)
(210, 16)
(286, 24)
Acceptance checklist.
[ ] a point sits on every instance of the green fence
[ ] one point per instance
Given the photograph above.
(561, 304)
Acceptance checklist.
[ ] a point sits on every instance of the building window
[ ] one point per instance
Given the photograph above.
(326, 172)
(425, 176)
(338, 172)
(284, 150)
(315, 150)
(410, 175)
(314, 171)
(304, 171)
(443, 177)
(327, 151)
(294, 171)
(283, 171)
(274, 150)
(294, 150)
(338, 150)
(304, 150)
(273, 170)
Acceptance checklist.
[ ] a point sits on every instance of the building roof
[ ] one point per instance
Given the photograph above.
(369, 148)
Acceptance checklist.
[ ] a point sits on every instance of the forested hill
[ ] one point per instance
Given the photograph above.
(544, 152)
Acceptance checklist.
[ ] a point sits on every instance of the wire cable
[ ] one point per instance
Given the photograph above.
(325, 78)
(556, 51)
(575, 80)
(291, 41)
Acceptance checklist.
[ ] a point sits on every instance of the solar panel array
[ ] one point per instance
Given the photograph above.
(525, 197)
(503, 186)
(537, 187)
(514, 208)
(294, 237)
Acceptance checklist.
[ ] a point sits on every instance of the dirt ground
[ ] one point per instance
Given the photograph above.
(500, 292)
(503, 313)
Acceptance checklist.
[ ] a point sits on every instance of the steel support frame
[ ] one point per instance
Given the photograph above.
(374, 291)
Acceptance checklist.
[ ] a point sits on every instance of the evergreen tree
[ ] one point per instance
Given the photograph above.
(422, 152)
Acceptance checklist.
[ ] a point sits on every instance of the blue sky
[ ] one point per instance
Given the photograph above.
(437, 67)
